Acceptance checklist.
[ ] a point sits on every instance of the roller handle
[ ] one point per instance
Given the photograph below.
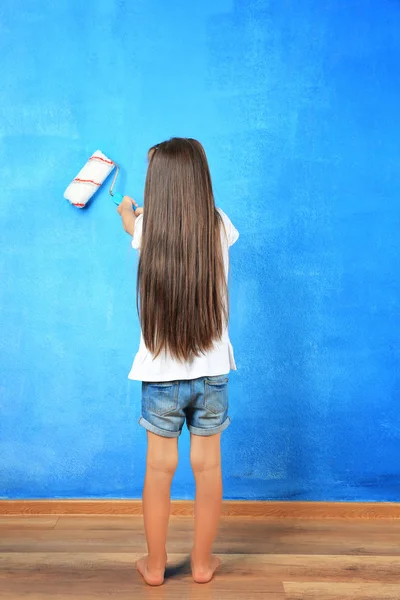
(117, 197)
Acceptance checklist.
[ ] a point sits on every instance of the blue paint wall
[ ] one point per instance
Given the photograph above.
(297, 104)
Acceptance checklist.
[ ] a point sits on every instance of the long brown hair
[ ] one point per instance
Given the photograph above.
(181, 287)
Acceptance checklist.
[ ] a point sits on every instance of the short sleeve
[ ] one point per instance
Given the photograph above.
(232, 233)
(137, 234)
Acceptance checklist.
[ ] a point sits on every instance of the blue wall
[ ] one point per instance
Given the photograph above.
(297, 104)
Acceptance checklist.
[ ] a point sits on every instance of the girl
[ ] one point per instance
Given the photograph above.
(185, 353)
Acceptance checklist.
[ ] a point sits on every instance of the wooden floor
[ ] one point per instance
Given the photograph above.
(87, 558)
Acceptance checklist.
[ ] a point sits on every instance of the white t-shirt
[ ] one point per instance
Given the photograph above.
(217, 361)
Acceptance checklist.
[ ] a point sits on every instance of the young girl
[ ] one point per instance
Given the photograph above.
(185, 353)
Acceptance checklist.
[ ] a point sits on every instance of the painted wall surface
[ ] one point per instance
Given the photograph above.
(297, 104)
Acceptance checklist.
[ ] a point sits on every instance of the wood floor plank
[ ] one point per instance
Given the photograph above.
(267, 525)
(277, 567)
(328, 525)
(341, 591)
(334, 568)
(108, 523)
(28, 522)
(137, 590)
(247, 538)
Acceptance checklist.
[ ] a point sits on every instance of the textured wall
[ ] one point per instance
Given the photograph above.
(297, 104)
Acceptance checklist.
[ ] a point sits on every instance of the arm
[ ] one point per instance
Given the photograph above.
(128, 214)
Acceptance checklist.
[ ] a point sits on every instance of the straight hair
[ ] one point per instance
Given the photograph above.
(182, 294)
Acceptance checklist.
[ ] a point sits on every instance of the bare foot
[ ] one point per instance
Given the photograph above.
(151, 577)
(203, 573)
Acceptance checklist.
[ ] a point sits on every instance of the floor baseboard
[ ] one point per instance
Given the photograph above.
(231, 508)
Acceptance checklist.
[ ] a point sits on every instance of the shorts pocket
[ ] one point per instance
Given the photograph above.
(160, 398)
(216, 394)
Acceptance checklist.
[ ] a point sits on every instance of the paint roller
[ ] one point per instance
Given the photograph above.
(90, 179)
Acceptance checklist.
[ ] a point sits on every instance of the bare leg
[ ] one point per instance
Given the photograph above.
(205, 457)
(162, 460)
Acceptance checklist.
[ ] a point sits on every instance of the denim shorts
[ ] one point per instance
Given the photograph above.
(202, 402)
